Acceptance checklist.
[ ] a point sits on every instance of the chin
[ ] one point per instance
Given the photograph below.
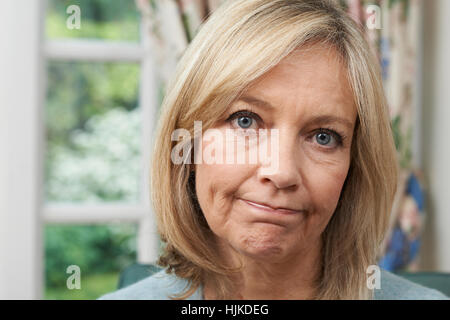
(262, 248)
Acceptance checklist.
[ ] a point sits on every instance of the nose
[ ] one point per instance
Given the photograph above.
(282, 168)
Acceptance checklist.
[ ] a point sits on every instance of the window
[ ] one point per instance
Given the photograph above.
(98, 122)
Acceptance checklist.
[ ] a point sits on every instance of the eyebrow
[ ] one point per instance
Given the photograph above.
(256, 102)
(318, 120)
(321, 120)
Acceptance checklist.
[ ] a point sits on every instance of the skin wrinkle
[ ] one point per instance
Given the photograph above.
(281, 253)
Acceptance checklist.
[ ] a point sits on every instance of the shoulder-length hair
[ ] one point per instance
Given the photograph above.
(239, 43)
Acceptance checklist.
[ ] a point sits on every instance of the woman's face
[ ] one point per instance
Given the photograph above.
(281, 213)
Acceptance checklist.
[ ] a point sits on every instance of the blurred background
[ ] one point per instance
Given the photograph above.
(81, 83)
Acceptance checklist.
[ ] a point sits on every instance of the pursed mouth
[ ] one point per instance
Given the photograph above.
(270, 208)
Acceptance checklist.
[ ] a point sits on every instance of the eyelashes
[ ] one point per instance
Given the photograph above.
(244, 114)
(339, 138)
(245, 119)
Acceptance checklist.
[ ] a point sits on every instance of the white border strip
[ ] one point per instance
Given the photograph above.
(93, 214)
(93, 50)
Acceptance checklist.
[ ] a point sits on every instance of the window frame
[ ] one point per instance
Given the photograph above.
(23, 201)
(97, 50)
(21, 270)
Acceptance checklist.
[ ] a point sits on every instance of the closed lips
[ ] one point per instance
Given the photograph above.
(271, 207)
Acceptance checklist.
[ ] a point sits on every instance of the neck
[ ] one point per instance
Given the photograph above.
(293, 277)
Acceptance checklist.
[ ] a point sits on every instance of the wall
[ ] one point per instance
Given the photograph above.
(20, 166)
(435, 145)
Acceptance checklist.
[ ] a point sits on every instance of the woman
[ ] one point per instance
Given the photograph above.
(306, 220)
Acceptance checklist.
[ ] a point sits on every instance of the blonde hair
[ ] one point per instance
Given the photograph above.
(239, 43)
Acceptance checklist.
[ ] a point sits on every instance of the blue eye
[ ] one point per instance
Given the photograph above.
(323, 138)
(328, 138)
(244, 122)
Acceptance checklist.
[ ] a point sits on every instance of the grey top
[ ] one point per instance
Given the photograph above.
(161, 286)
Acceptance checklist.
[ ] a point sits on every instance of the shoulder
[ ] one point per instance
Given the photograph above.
(159, 286)
(394, 287)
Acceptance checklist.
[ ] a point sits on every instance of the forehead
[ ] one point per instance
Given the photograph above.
(312, 79)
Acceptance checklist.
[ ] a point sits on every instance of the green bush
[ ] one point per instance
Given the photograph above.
(93, 148)
(95, 249)
(102, 162)
(103, 165)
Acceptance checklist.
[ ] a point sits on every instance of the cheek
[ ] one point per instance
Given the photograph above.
(221, 173)
(209, 184)
(325, 181)
(216, 186)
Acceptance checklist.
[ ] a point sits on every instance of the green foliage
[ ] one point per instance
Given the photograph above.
(92, 287)
(93, 148)
(402, 142)
(102, 166)
(95, 249)
(78, 91)
(102, 19)
(103, 162)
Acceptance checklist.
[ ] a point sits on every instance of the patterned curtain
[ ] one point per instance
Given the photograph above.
(392, 29)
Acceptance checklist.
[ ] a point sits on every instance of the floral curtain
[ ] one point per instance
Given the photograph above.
(392, 29)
